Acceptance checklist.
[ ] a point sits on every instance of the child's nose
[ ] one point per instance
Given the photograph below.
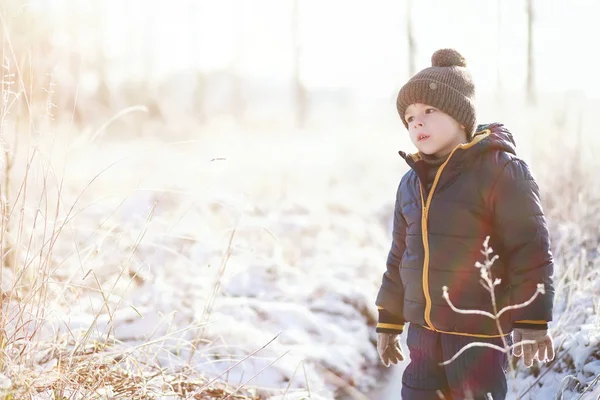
(417, 123)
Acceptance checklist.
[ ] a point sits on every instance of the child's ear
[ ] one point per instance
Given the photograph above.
(462, 127)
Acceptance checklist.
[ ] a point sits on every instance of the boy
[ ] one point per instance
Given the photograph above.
(465, 183)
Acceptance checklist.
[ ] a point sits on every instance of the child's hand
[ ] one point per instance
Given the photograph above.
(388, 347)
(541, 345)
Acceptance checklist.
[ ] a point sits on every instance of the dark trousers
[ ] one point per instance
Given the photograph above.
(476, 372)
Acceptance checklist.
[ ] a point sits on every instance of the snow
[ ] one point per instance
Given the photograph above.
(289, 306)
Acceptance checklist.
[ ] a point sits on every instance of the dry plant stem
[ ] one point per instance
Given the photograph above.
(490, 288)
(591, 385)
(19, 74)
(505, 349)
(159, 340)
(9, 161)
(306, 379)
(68, 218)
(209, 303)
(48, 245)
(255, 375)
(480, 344)
(115, 117)
(522, 305)
(350, 391)
(291, 380)
(14, 247)
(489, 284)
(105, 297)
(51, 241)
(70, 214)
(76, 250)
(237, 363)
(487, 314)
(128, 262)
(44, 260)
(13, 258)
(7, 248)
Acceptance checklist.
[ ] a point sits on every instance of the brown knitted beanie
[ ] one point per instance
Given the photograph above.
(446, 85)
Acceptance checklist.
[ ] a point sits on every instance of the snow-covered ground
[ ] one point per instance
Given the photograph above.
(257, 260)
(578, 364)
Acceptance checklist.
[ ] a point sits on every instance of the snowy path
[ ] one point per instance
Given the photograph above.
(312, 231)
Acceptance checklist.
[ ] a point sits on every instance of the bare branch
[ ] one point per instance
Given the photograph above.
(491, 346)
(460, 311)
(522, 305)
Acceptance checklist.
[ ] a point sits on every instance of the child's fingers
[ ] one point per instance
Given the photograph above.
(398, 351)
(391, 354)
(545, 349)
(517, 350)
(542, 351)
(382, 343)
(528, 353)
(517, 337)
(385, 359)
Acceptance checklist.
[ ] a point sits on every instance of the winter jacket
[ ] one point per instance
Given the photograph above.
(483, 189)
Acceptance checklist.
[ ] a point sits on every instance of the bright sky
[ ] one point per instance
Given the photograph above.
(357, 44)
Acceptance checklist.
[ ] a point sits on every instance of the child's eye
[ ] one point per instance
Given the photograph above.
(409, 119)
(429, 110)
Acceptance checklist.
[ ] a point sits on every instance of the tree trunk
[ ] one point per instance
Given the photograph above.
(530, 60)
(237, 97)
(411, 39)
(498, 48)
(301, 98)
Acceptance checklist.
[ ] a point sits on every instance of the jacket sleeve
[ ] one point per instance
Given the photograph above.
(521, 226)
(390, 299)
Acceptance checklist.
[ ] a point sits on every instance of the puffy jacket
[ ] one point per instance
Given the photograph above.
(483, 189)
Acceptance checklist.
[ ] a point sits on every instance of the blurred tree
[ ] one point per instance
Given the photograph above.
(237, 100)
(195, 11)
(301, 101)
(530, 59)
(46, 51)
(412, 50)
(27, 59)
(498, 49)
(22, 39)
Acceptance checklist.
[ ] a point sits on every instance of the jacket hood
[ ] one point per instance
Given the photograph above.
(498, 138)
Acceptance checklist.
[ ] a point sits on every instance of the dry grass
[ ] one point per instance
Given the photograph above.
(48, 270)
(97, 372)
(83, 217)
(84, 252)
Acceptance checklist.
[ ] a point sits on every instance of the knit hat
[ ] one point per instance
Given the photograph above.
(447, 85)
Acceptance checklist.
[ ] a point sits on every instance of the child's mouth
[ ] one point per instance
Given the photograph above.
(422, 137)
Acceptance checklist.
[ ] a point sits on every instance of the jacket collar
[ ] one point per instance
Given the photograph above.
(413, 158)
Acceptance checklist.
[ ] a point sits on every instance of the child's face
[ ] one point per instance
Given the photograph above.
(433, 131)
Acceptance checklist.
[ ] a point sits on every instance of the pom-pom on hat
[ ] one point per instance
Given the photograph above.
(446, 85)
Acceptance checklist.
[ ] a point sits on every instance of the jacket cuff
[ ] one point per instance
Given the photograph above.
(531, 324)
(388, 322)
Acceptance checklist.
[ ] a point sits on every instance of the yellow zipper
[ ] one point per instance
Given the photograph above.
(425, 234)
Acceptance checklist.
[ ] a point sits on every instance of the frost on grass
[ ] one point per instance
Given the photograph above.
(145, 295)
(143, 289)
